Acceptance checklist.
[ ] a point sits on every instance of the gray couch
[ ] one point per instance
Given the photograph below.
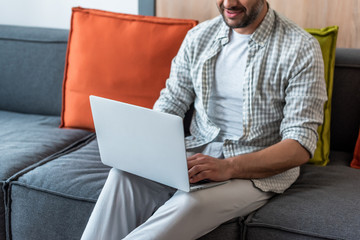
(51, 177)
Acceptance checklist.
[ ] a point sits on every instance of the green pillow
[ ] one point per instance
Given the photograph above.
(327, 39)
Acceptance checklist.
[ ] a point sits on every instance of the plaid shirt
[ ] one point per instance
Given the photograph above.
(284, 89)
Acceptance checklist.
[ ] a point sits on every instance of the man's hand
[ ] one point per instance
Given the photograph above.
(264, 163)
(203, 167)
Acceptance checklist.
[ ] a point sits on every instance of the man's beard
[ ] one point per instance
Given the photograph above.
(249, 17)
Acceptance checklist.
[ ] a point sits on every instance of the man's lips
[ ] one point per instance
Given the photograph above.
(233, 13)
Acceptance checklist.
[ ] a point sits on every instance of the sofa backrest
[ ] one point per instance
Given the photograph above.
(32, 69)
(345, 112)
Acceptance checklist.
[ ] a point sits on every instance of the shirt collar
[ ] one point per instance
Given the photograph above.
(223, 33)
(263, 32)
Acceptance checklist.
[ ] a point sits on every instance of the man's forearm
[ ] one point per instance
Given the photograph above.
(269, 161)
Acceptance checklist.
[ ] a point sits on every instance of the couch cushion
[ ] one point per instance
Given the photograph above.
(78, 173)
(31, 69)
(58, 195)
(323, 203)
(355, 163)
(25, 140)
(118, 56)
(327, 39)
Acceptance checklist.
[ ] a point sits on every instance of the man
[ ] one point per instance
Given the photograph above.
(256, 81)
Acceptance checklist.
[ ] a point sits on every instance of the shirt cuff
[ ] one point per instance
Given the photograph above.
(305, 136)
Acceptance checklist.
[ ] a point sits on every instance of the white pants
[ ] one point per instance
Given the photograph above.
(131, 207)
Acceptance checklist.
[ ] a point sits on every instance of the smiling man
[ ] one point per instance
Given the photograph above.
(256, 81)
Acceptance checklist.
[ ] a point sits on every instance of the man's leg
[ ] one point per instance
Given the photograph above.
(125, 202)
(192, 215)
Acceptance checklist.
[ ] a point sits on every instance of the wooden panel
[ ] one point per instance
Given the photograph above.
(200, 10)
(306, 13)
(322, 13)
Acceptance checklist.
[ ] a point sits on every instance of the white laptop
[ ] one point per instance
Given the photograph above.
(143, 142)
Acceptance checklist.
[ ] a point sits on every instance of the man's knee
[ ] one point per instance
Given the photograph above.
(190, 203)
(115, 174)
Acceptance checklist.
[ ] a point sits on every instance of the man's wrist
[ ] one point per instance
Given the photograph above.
(231, 168)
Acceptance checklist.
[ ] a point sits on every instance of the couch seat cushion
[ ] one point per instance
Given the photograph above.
(323, 203)
(26, 139)
(78, 173)
(61, 190)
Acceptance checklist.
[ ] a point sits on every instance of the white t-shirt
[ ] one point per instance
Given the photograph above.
(226, 98)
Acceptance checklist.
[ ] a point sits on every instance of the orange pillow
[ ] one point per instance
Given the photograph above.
(355, 163)
(119, 56)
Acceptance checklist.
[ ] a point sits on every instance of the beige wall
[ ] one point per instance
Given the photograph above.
(200, 10)
(306, 13)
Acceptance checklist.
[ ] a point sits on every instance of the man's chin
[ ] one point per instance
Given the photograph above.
(233, 23)
(236, 22)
